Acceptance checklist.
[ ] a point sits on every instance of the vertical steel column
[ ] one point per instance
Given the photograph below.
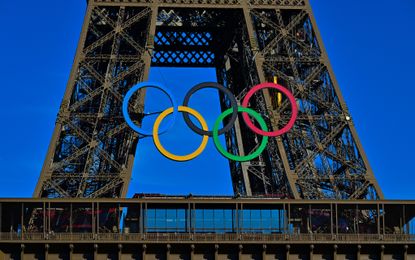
(146, 73)
(22, 248)
(289, 216)
(49, 231)
(44, 219)
(71, 246)
(331, 220)
(378, 219)
(144, 252)
(21, 220)
(93, 226)
(369, 173)
(120, 251)
(95, 251)
(188, 218)
(244, 165)
(258, 58)
(71, 218)
(311, 251)
(335, 252)
(192, 252)
(357, 216)
(46, 252)
(46, 173)
(285, 211)
(145, 219)
(168, 248)
(106, 66)
(141, 221)
(405, 252)
(119, 218)
(287, 251)
(2, 254)
(97, 229)
(383, 218)
(236, 220)
(193, 219)
(337, 221)
(403, 219)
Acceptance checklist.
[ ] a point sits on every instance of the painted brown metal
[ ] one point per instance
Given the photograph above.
(248, 41)
(208, 251)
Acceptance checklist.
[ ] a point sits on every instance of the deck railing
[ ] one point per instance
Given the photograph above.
(203, 237)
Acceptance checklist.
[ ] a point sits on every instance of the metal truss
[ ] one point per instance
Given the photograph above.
(248, 42)
(92, 149)
(181, 47)
(322, 151)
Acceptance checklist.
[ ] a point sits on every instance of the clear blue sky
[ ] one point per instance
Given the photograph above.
(370, 45)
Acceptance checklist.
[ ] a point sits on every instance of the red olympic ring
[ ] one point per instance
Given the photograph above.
(290, 97)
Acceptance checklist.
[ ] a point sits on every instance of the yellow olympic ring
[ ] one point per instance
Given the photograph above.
(169, 155)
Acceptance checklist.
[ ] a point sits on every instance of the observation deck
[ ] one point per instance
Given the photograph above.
(195, 226)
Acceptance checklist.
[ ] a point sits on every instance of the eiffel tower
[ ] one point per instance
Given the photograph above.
(248, 42)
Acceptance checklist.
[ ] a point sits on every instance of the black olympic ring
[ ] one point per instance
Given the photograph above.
(234, 105)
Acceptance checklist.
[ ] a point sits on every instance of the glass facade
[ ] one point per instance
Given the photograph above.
(209, 216)
(214, 220)
(166, 220)
(266, 221)
(208, 220)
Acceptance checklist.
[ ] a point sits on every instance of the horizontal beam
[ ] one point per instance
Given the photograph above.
(206, 200)
(203, 238)
(195, 4)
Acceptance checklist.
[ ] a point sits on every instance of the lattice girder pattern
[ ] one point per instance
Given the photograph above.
(181, 47)
(94, 145)
(248, 42)
(322, 148)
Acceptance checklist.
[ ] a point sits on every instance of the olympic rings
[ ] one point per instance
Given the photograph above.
(237, 158)
(130, 94)
(169, 155)
(294, 109)
(219, 87)
(233, 111)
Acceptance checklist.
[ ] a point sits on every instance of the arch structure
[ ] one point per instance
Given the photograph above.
(248, 42)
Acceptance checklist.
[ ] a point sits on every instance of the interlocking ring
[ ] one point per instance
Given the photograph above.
(219, 87)
(237, 158)
(291, 98)
(130, 94)
(169, 155)
(233, 111)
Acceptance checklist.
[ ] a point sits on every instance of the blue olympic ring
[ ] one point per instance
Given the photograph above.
(145, 85)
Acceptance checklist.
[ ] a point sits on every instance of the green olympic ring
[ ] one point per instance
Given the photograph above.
(223, 151)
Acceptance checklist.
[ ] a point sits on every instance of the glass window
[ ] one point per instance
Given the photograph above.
(165, 220)
(214, 220)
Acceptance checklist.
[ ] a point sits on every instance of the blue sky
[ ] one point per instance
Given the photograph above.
(369, 43)
(154, 173)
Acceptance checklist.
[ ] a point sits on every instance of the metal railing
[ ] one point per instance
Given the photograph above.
(203, 237)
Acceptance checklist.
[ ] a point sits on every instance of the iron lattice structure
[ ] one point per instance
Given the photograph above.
(248, 41)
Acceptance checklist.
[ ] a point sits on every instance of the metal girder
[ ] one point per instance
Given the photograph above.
(248, 42)
(91, 153)
(292, 50)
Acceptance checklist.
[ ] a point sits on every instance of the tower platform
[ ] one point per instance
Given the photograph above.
(203, 227)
